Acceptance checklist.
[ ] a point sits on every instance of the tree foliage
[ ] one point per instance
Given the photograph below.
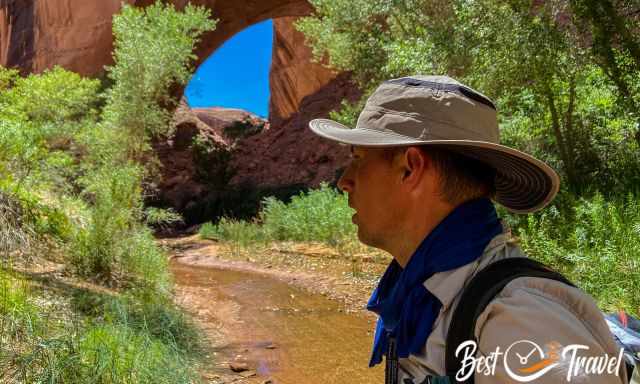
(536, 59)
(153, 53)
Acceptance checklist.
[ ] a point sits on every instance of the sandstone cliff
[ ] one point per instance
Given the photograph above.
(293, 75)
(291, 153)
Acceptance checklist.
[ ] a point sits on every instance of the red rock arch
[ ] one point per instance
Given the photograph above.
(37, 34)
(76, 34)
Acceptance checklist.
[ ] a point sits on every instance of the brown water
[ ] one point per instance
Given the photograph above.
(282, 332)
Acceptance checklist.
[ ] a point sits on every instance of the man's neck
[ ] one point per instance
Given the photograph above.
(417, 228)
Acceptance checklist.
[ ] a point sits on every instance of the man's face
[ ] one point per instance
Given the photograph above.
(372, 182)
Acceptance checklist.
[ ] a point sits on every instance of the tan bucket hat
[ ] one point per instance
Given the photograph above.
(438, 110)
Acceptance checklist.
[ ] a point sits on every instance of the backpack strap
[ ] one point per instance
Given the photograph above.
(478, 293)
(391, 360)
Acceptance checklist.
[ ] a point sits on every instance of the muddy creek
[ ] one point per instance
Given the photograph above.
(278, 331)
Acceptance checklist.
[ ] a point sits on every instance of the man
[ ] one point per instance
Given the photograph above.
(425, 164)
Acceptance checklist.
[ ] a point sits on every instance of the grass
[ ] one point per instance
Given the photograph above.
(144, 311)
(110, 338)
(318, 215)
(594, 242)
(19, 316)
(105, 354)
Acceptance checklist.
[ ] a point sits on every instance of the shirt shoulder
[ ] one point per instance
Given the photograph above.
(545, 318)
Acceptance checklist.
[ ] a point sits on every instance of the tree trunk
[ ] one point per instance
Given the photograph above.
(557, 132)
(568, 128)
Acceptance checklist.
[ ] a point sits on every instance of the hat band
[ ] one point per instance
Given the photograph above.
(459, 89)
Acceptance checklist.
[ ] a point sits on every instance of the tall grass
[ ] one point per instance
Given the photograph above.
(14, 235)
(19, 317)
(104, 338)
(595, 242)
(317, 215)
(154, 314)
(104, 354)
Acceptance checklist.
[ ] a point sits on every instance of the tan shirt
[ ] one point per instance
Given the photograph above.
(548, 313)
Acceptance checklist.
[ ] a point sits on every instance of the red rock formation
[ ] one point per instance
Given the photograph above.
(76, 34)
(293, 74)
(291, 153)
(190, 171)
(218, 118)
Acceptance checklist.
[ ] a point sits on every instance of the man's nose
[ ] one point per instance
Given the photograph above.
(345, 183)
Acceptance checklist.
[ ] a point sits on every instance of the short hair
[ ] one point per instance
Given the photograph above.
(462, 178)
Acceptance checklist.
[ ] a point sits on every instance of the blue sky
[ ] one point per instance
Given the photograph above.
(236, 75)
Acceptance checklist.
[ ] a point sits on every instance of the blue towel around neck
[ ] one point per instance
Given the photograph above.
(406, 309)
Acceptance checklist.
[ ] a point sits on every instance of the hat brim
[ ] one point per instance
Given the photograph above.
(523, 183)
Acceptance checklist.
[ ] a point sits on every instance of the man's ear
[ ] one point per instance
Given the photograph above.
(415, 162)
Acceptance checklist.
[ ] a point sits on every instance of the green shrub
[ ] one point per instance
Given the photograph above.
(143, 262)
(240, 232)
(161, 218)
(55, 96)
(595, 243)
(44, 219)
(210, 231)
(116, 199)
(318, 215)
(41, 117)
(116, 247)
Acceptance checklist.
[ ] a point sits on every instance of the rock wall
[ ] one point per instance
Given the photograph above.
(76, 34)
(207, 169)
(290, 153)
(293, 74)
(38, 34)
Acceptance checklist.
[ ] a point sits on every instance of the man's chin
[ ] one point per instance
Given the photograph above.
(363, 238)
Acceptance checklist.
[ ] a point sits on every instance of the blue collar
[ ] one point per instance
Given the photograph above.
(406, 309)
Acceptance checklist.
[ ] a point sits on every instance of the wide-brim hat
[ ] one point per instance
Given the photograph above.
(438, 110)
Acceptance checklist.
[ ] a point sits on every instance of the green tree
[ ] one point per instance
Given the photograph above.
(42, 116)
(611, 27)
(153, 53)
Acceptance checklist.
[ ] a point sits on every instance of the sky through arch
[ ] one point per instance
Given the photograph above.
(236, 75)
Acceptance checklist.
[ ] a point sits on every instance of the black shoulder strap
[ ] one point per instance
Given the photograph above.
(482, 288)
